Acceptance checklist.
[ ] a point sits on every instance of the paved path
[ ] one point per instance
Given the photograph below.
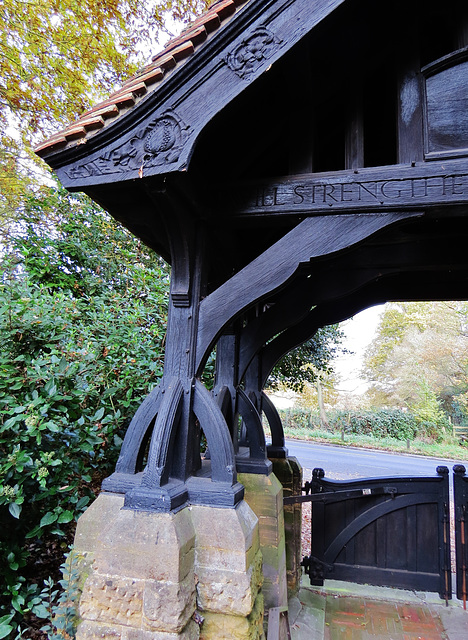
(346, 611)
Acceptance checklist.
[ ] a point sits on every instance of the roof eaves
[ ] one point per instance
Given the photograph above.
(146, 81)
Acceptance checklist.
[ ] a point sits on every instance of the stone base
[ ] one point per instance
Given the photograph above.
(225, 627)
(162, 576)
(289, 473)
(228, 565)
(141, 581)
(264, 494)
(99, 631)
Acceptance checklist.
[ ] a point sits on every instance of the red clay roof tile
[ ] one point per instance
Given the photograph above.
(224, 8)
(92, 123)
(75, 132)
(152, 76)
(108, 111)
(197, 35)
(165, 60)
(136, 88)
(210, 21)
(183, 51)
(52, 144)
(125, 99)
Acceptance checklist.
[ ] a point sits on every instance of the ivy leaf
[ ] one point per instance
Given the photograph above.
(5, 629)
(65, 516)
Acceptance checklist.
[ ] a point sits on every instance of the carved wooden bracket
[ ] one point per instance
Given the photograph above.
(312, 238)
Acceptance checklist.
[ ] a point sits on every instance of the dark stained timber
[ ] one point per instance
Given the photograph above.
(364, 190)
(305, 161)
(363, 530)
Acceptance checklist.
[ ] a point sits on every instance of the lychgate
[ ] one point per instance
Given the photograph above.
(295, 161)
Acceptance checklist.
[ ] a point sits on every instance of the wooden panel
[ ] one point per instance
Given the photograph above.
(365, 546)
(395, 532)
(427, 527)
(447, 110)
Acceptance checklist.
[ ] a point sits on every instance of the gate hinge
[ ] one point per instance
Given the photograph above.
(316, 569)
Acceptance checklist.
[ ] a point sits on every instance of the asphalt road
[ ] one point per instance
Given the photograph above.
(347, 462)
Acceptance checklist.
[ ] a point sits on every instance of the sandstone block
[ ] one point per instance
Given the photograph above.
(230, 592)
(218, 626)
(97, 517)
(225, 528)
(264, 494)
(227, 561)
(168, 606)
(145, 545)
(96, 631)
(112, 599)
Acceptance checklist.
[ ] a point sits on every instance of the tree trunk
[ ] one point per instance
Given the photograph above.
(323, 415)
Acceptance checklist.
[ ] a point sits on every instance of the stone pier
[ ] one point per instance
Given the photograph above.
(264, 494)
(289, 473)
(193, 574)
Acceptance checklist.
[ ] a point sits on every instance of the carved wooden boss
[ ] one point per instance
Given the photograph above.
(295, 161)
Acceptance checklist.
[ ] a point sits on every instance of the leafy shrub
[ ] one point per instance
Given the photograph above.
(82, 322)
(394, 423)
(60, 602)
(298, 417)
(385, 422)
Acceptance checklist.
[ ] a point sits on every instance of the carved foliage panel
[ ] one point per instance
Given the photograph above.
(158, 143)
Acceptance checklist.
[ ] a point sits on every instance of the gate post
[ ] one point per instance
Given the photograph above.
(289, 473)
(460, 498)
(264, 495)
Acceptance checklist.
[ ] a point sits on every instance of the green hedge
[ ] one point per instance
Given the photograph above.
(393, 423)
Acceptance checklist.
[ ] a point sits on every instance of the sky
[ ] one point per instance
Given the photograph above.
(359, 332)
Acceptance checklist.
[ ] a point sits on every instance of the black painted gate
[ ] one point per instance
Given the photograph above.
(382, 531)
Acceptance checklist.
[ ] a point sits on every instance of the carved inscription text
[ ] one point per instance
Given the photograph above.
(318, 195)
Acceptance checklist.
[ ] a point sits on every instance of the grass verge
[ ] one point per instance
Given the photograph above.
(449, 448)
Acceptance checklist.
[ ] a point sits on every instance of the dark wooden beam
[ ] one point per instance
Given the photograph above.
(422, 186)
(402, 286)
(312, 238)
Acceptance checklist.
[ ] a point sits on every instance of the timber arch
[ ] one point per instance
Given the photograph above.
(295, 162)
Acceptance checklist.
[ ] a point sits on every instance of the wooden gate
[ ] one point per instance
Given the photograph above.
(382, 531)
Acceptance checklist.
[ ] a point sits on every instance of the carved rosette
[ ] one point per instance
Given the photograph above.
(252, 52)
(158, 143)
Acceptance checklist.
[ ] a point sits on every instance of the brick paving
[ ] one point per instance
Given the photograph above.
(346, 611)
(348, 618)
